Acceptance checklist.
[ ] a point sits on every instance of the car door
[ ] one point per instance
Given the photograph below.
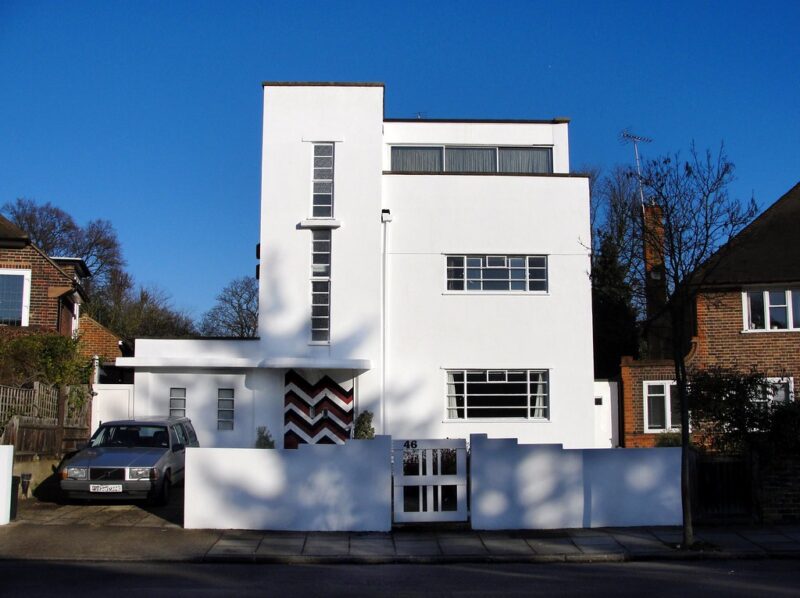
(177, 452)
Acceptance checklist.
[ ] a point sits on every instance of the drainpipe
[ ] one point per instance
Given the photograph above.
(386, 218)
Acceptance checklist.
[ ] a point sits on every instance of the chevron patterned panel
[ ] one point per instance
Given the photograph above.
(305, 409)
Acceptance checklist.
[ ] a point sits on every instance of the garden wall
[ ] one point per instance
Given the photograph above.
(312, 488)
(516, 486)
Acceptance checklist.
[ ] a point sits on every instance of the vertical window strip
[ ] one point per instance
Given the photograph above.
(225, 409)
(322, 182)
(321, 241)
(177, 402)
(497, 273)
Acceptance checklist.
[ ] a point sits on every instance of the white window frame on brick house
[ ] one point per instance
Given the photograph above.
(177, 401)
(772, 395)
(669, 425)
(26, 292)
(774, 301)
(479, 273)
(533, 399)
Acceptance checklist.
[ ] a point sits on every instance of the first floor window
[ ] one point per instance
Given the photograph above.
(15, 290)
(225, 409)
(662, 406)
(498, 394)
(523, 273)
(177, 402)
(465, 159)
(773, 309)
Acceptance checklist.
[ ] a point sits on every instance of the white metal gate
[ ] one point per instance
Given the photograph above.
(430, 480)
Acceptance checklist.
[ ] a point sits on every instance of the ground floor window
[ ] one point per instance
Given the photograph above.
(225, 409)
(662, 408)
(498, 394)
(177, 402)
(776, 390)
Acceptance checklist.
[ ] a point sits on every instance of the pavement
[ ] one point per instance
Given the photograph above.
(134, 532)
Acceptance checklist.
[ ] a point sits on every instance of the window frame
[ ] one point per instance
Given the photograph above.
(497, 148)
(25, 273)
(775, 381)
(792, 319)
(465, 269)
(177, 397)
(315, 180)
(220, 409)
(669, 425)
(531, 402)
(318, 278)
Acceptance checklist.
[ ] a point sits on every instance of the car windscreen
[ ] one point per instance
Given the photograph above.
(131, 436)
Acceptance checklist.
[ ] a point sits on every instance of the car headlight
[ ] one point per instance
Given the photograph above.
(77, 473)
(140, 473)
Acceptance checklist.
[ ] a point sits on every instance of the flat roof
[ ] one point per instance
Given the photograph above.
(321, 84)
(517, 121)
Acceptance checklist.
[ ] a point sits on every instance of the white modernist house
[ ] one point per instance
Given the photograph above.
(432, 272)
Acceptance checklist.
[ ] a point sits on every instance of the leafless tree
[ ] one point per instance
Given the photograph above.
(236, 312)
(697, 219)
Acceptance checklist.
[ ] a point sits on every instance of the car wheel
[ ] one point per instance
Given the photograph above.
(166, 491)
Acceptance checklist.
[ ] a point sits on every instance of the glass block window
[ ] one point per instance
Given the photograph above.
(322, 201)
(224, 409)
(523, 273)
(177, 402)
(498, 394)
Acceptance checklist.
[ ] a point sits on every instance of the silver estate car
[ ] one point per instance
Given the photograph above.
(130, 459)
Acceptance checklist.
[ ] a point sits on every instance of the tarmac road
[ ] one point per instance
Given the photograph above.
(652, 579)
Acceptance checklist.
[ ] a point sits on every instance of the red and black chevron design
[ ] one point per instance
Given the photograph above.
(320, 413)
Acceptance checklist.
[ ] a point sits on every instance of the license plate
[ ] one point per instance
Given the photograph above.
(105, 487)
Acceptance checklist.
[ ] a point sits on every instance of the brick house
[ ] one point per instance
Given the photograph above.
(39, 293)
(746, 317)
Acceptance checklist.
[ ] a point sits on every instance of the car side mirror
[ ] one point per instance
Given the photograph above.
(178, 447)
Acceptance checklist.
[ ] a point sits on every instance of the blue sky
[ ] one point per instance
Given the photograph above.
(148, 114)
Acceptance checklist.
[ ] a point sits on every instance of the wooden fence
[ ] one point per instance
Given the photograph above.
(43, 421)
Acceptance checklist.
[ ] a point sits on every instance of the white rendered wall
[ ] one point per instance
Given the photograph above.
(6, 468)
(431, 330)
(294, 118)
(314, 488)
(258, 401)
(517, 486)
(606, 414)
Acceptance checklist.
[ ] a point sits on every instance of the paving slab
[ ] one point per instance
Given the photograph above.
(234, 547)
(559, 546)
(506, 545)
(284, 544)
(419, 548)
(379, 545)
(327, 545)
(640, 543)
(730, 542)
(462, 544)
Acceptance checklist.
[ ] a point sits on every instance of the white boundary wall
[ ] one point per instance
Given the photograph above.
(6, 467)
(517, 486)
(313, 488)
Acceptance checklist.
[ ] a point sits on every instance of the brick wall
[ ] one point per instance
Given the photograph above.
(779, 492)
(44, 274)
(98, 340)
(720, 341)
